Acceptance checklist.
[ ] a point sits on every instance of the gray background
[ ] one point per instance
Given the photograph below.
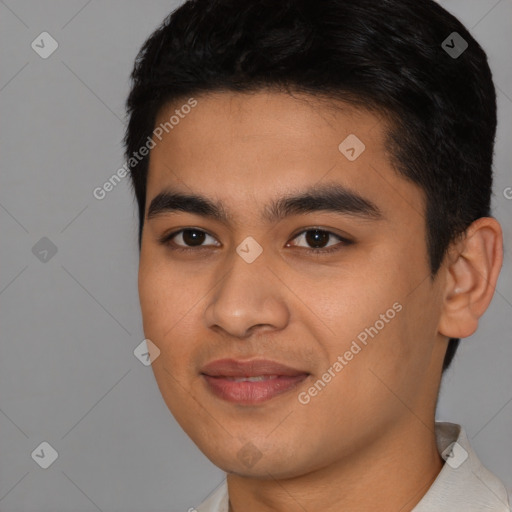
(70, 325)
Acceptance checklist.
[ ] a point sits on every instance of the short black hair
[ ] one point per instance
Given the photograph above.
(387, 56)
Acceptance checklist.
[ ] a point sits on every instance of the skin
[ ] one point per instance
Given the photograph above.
(367, 439)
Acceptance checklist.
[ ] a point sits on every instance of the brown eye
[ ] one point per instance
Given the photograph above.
(193, 237)
(320, 241)
(187, 239)
(316, 238)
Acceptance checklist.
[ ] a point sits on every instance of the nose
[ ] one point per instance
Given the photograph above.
(249, 297)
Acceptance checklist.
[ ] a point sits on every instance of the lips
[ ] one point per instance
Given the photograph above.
(255, 368)
(250, 382)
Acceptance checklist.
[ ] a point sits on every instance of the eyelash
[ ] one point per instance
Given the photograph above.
(167, 241)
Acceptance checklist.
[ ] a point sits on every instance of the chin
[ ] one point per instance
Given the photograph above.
(250, 462)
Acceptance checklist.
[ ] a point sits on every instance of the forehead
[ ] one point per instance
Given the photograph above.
(278, 116)
(238, 147)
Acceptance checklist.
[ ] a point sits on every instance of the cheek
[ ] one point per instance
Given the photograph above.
(166, 314)
(163, 299)
(152, 298)
(349, 306)
(155, 280)
(369, 319)
(171, 301)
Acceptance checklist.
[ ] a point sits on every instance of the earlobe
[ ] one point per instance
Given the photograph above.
(472, 269)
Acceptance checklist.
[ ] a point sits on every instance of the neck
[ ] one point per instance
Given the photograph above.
(394, 473)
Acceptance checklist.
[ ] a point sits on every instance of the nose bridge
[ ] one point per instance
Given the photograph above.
(248, 295)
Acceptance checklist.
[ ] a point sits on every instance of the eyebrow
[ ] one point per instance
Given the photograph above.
(329, 197)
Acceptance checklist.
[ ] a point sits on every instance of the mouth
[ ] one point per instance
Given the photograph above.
(250, 382)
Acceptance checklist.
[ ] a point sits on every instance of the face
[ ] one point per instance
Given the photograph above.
(306, 251)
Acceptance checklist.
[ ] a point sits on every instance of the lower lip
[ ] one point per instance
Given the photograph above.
(247, 393)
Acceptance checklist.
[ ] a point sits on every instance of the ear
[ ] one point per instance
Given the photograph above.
(473, 265)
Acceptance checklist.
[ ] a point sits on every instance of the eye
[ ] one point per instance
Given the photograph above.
(188, 239)
(320, 240)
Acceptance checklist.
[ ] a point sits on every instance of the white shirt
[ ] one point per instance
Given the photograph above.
(462, 485)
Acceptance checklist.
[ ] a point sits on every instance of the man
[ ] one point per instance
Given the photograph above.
(316, 237)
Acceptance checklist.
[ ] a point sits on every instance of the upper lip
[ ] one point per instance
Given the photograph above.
(253, 368)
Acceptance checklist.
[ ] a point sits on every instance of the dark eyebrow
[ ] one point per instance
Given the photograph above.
(329, 197)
